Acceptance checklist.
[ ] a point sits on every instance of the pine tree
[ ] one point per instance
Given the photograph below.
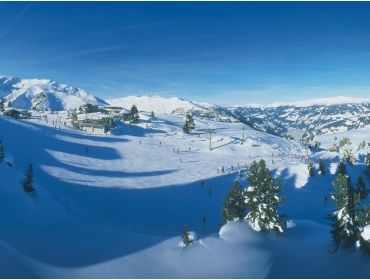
(341, 168)
(364, 220)
(28, 180)
(186, 239)
(189, 123)
(367, 164)
(321, 167)
(262, 199)
(367, 159)
(134, 112)
(349, 157)
(311, 169)
(1, 151)
(361, 188)
(234, 204)
(345, 227)
(2, 104)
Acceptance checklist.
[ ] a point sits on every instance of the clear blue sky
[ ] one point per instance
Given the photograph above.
(221, 52)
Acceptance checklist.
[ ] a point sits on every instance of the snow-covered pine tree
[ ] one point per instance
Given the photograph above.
(345, 229)
(341, 168)
(364, 220)
(186, 238)
(361, 146)
(367, 159)
(321, 167)
(134, 114)
(2, 104)
(234, 204)
(349, 157)
(262, 199)
(28, 180)
(189, 123)
(367, 164)
(1, 151)
(311, 169)
(361, 188)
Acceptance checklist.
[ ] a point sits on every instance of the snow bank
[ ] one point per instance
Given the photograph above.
(366, 233)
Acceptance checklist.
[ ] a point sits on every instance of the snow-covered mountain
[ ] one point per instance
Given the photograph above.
(317, 117)
(43, 94)
(174, 105)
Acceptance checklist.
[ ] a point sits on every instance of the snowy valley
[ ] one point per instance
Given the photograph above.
(115, 204)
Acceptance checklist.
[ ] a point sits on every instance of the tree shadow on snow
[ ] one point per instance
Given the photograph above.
(106, 223)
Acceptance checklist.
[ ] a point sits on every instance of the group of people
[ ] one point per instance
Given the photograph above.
(238, 167)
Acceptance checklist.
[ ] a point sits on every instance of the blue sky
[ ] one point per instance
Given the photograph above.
(221, 52)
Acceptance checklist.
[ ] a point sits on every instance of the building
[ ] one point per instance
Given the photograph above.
(15, 113)
(94, 128)
(97, 124)
(113, 110)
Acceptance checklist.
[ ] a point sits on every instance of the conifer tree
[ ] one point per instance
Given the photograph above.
(311, 169)
(361, 188)
(341, 168)
(186, 239)
(189, 123)
(367, 164)
(367, 159)
(349, 157)
(345, 226)
(262, 199)
(2, 104)
(134, 112)
(1, 151)
(28, 180)
(321, 167)
(234, 204)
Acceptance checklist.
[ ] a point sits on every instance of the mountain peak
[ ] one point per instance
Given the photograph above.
(44, 94)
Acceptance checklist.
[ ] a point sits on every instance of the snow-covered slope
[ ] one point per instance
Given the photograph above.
(174, 105)
(104, 205)
(44, 94)
(159, 104)
(325, 117)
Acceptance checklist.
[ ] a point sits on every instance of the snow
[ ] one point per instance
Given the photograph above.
(159, 104)
(115, 206)
(365, 234)
(44, 94)
(311, 102)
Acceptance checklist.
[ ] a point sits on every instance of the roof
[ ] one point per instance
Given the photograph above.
(113, 108)
(9, 109)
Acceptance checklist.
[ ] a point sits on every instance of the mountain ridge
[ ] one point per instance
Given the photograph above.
(44, 94)
(316, 116)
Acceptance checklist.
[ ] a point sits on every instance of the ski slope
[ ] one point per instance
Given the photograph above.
(115, 205)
